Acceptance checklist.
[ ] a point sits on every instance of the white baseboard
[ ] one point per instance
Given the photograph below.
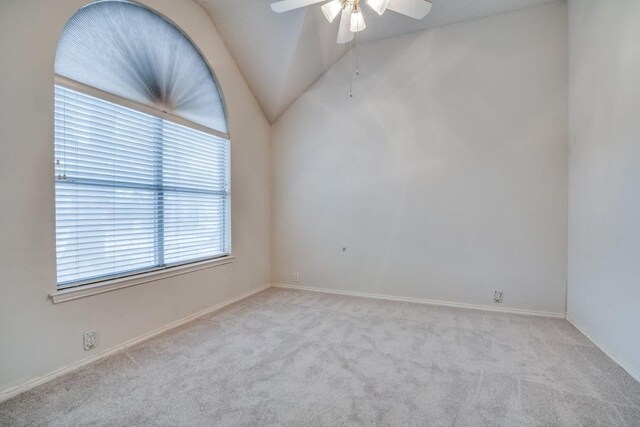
(635, 375)
(14, 391)
(423, 301)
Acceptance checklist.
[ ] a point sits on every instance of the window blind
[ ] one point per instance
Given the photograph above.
(126, 49)
(134, 192)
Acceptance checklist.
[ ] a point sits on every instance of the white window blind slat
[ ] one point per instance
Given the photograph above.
(134, 192)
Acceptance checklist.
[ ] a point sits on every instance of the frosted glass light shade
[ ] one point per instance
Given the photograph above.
(378, 5)
(344, 33)
(331, 10)
(130, 51)
(357, 22)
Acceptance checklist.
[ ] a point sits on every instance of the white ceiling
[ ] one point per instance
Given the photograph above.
(281, 55)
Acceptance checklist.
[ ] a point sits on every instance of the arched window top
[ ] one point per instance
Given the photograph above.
(129, 51)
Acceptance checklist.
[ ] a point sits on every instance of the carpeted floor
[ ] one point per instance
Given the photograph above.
(293, 358)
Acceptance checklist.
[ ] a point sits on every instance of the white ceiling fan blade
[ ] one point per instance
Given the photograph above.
(344, 33)
(417, 9)
(287, 5)
(378, 5)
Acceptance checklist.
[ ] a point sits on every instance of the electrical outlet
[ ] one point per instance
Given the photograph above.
(296, 277)
(90, 340)
(497, 296)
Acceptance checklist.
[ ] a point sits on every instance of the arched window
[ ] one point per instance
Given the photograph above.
(142, 149)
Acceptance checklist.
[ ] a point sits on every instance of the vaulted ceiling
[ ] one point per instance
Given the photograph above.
(281, 55)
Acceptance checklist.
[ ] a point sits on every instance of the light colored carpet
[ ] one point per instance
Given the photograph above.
(293, 358)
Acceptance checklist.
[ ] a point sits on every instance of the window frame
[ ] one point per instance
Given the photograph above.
(99, 285)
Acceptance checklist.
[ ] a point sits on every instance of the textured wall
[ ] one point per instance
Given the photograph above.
(445, 177)
(604, 186)
(36, 336)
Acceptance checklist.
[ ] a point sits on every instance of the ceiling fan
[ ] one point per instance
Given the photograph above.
(351, 19)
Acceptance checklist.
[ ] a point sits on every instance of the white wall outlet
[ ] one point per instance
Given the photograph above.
(497, 296)
(90, 340)
(296, 277)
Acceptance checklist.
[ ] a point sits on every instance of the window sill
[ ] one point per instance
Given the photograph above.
(71, 294)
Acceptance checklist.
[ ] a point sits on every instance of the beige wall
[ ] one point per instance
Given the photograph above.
(445, 177)
(37, 337)
(604, 187)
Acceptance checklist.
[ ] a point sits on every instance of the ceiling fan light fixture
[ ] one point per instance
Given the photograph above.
(331, 9)
(357, 21)
(378, 5)
(351, 19)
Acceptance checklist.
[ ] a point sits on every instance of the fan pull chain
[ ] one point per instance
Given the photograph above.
(353, 52)
(350, 70)
(355, 39)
